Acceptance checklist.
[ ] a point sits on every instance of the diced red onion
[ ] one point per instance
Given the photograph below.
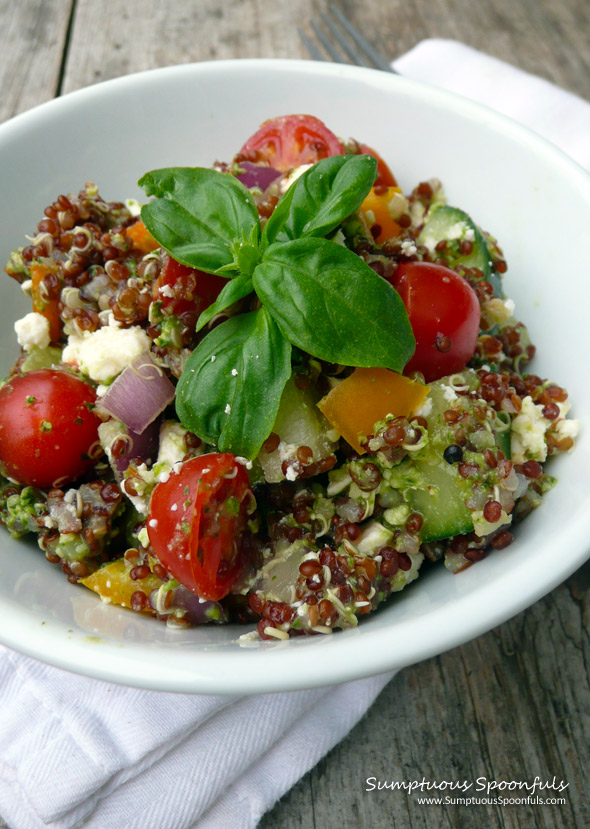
(144, 446)
(256, 175)
(198, 611)
(139, 394)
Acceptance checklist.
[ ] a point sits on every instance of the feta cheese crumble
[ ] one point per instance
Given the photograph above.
(32, 330)
(409, 248)
(424, 408)
(103, 354)
(530, 427)
(291, 473)
(528, 433)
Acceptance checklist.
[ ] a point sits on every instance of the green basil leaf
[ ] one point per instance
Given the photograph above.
(328, 302)
(198, 214)
(234, 290)
(231, 386)
(319, 200)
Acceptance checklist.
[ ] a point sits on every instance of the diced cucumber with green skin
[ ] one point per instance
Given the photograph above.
(442, 502)
(299, 422)
(442, 494)
(38, 358)
(445, 223)
(440, 497)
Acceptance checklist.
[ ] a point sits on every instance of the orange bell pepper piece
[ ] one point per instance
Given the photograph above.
(141, 238)
(48, 307)
(377, 209)
(367, 396)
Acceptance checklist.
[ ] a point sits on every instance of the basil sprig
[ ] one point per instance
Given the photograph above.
(314, 293)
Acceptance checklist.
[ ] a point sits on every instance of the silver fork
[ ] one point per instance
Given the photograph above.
(349, 41)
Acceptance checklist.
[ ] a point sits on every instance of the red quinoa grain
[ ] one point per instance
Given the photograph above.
(504, 539)
(310, 567)
(492, 511)
(532, 469)
(139, 601)
(141, 571)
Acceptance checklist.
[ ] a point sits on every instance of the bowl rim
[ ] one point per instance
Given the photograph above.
(454, 100)
(347, 656)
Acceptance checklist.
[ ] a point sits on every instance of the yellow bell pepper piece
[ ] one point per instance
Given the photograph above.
(367, 396)
(113, 582)
(378, 210)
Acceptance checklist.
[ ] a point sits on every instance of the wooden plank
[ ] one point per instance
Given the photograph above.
(146, 35)
(540, 36)
(32, 38)
(549, 39)
(510, 705)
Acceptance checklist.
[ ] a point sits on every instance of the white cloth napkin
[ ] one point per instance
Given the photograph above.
(557, 115)
(76, 751)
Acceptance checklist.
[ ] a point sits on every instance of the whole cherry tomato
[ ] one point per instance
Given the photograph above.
(48, 431)
(290, 141)
(444, 314)
(196, 521)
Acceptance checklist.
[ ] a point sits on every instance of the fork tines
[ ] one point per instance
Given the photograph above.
(344, 42)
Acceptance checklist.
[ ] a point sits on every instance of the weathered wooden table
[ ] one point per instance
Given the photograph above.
(513, 704)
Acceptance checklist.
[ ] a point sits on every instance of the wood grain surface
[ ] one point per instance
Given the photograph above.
(515, 703)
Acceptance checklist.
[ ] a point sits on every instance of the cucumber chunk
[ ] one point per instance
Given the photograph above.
(441, 497)
(441, 502)
(449, 224)
(299, 423)
(39, 357)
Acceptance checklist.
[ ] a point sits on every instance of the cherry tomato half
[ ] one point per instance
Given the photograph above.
(48, 431)
(385, 177)
(290, 141)
(196, 520)
(444, 314)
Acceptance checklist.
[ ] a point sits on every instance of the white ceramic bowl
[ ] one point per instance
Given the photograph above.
(535, 200)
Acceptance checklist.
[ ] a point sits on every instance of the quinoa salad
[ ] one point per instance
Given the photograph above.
(273, 393)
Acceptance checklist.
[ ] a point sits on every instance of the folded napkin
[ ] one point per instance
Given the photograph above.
(76, 751)
(557, 115)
